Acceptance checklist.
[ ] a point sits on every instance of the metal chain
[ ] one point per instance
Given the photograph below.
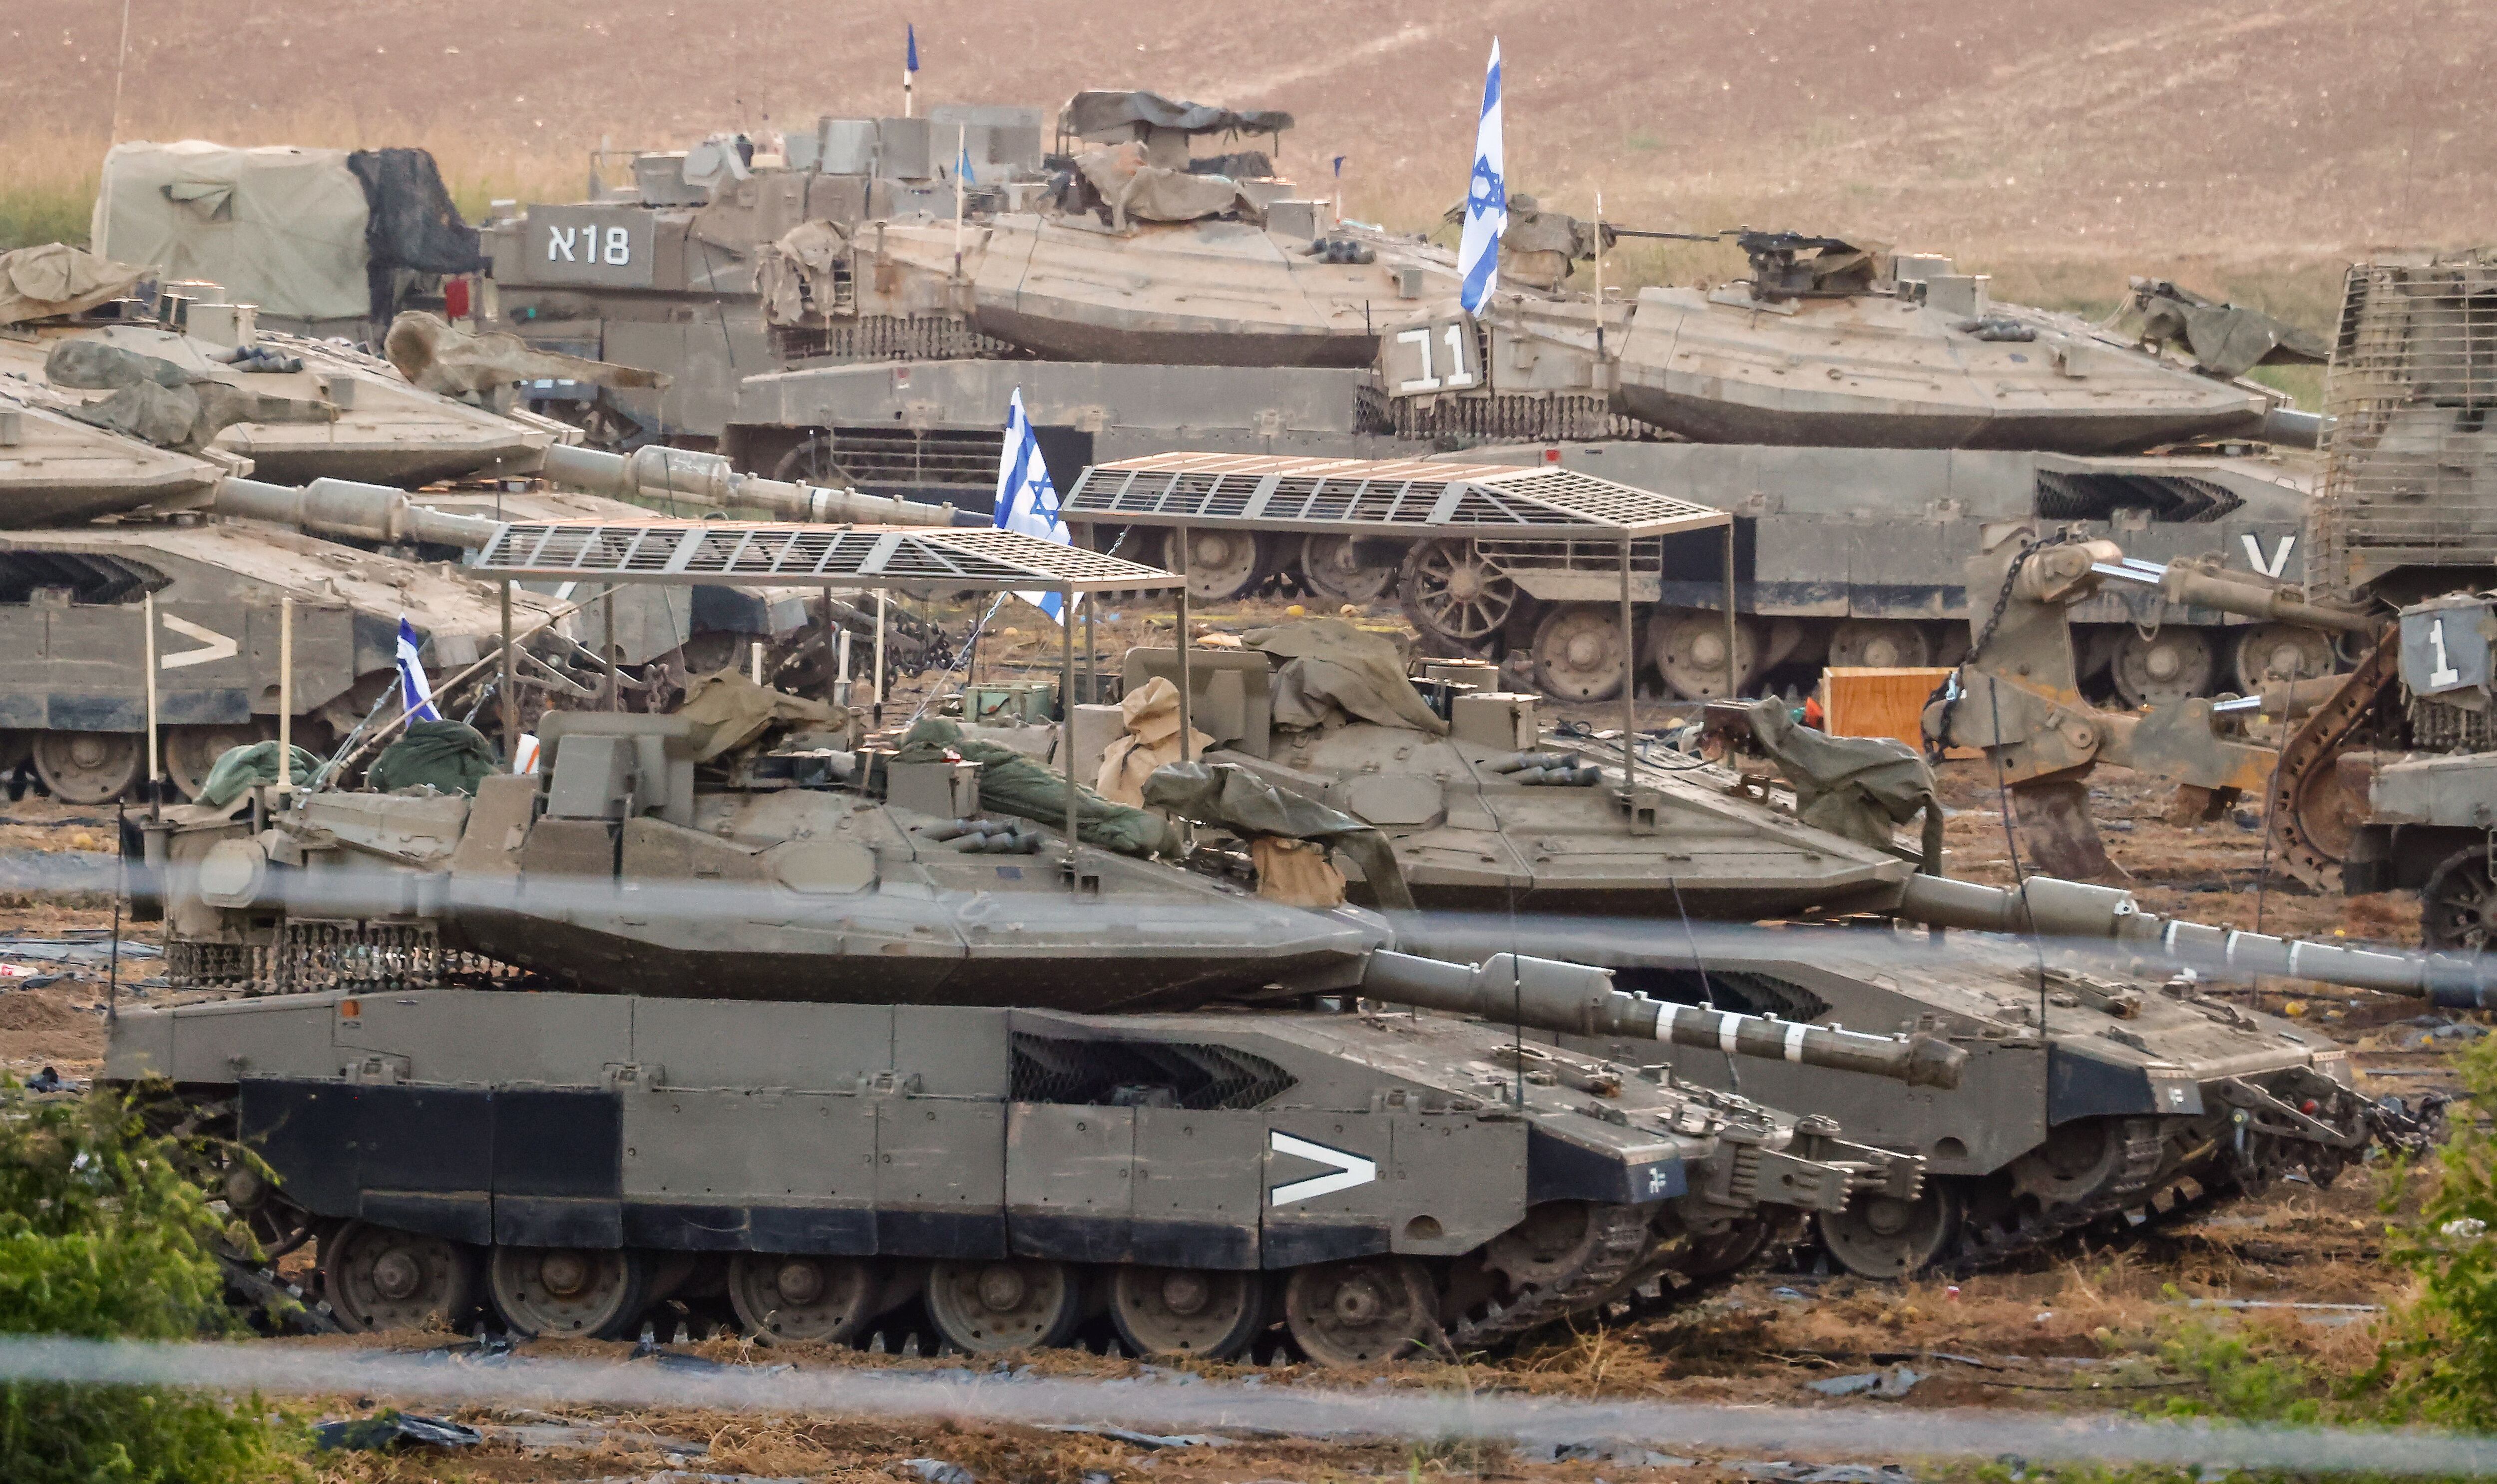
(1954, 686)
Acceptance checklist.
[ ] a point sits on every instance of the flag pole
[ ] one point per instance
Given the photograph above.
(1599, 285)
(962, 152)
(910, 65)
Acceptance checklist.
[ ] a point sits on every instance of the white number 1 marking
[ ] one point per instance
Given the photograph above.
(1420, 340)
(1458, 375)
(2443, 674)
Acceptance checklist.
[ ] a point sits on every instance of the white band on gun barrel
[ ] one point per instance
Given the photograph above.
(1795, 1040)
(1728, 1025)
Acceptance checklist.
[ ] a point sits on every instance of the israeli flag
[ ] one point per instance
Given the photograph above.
(1486, 202)
(414, 691)
(1026, 501)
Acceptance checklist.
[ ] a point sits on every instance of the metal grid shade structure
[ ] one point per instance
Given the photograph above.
(718, 552)
(2411, 473)
(1374, 496)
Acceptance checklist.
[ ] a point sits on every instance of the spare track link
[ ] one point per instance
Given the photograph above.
(2316, 745)
(1622, 1238)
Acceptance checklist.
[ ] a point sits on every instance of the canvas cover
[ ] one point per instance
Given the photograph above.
(279, 227)
(1011, 783)
(1093, 114)
(55, 278)
(1855, 786)
(2224, 339)
(1334, 672)
(1135, 191)
(450, 757)
(1229, 796)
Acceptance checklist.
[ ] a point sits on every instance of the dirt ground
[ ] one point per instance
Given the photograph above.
(2096, 1323)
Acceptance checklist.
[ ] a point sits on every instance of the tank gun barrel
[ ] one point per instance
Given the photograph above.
(2056, 909)
(1574, 1000)
(2197, 587)
(342, 507)
(653, 471)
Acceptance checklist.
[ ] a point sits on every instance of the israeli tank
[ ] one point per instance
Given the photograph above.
(2107, 1077)
(129, 530)
(379, 429)
(807, 1029)
(1833, 344)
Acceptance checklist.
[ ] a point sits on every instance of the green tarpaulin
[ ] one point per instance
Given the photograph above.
(1011, 783)
(449, 756)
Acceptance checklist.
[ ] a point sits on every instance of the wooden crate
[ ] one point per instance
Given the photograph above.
(1868, 701)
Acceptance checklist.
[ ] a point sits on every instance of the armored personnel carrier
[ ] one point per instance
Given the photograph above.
(2100, 1081)
(819, 1030)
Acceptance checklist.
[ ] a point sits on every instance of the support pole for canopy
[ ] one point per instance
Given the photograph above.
(1178, 544)
(1733, 660)
(1067, 719)
(1629, 681)
(836, 655)
(614, 681)
(880, 653)
(147, 657)
(511, 704)
(285, 699)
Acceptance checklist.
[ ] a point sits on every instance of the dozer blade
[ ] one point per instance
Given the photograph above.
(2055, 829)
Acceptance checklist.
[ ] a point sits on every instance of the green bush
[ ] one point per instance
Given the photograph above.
(2439, 1361)
(103, 1235)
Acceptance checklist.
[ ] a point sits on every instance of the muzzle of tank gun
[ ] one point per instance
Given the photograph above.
(2195, 587)
(342, 507)
(1575, 999)
(654, 472)
(2049, 908)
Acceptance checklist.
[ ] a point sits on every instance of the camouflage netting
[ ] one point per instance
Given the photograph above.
(1855, 786)
(162, 403)
(1011, 783)
(452, 363)
(410, 225)
(1335, 672)
(1228, 794)
(450, 757)
(239, 768)
(1096, 112)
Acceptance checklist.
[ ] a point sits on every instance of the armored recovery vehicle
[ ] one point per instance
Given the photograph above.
(2104, 1077)
(820, 1029)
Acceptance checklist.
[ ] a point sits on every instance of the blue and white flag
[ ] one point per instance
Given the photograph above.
(414, 693)
(962, 159)
(1026, 501)
(910, 55)
(1486, 202)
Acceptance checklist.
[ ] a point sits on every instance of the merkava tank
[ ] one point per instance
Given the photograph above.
(1839, 345)
(2105, 1078)
(110, 533)
(709, 1007)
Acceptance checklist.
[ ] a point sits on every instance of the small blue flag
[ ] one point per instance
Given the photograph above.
(414, 693)
(1486, 202)
(963, 160)
(1339, 167)
(1026, 500)
(911, 53)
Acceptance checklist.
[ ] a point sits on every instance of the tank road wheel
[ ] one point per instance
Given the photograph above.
(1333, 570)
(596, 1293)
(1690, 649)
(802, 1298)
(2458, 904)
(376, 1279)
(1455, 596)
(1880, 1236)
(1188, 1310)
(88, 767)
(1018, 1305)
(1362, 1310)
(2083, 1162)
(2280, 652)
(2173, 664)
(1578, 652)
(1221, 566)
(1880, 643)
(191, 752)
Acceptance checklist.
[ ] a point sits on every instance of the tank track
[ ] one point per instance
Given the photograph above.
(2143, 1149)
(1622, 1237)
(2312, 749)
